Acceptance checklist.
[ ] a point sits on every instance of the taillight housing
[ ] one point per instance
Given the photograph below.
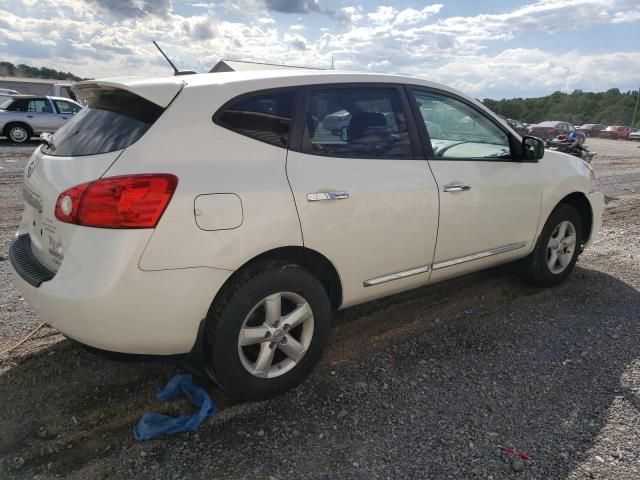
(128, 201)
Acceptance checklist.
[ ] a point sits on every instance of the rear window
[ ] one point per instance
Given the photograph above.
(265, 116)
(113, 120)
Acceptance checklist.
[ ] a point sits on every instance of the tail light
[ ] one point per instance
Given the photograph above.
(130, 201)
(551, 129)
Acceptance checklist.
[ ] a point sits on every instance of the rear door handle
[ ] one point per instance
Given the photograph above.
(456, 187)
(29, 116)
(316, 197)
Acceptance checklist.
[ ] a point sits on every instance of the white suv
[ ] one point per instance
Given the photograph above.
(216, 213)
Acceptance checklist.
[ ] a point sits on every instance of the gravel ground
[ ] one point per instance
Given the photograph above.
(426, 384)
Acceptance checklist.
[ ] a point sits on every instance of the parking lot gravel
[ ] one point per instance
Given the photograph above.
(428, 384)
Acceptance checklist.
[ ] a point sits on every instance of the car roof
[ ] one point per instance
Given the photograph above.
(152, 89)
(548, 123)
(26, 96)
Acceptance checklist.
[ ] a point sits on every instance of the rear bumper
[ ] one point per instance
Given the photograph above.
(596, 199)
(101, 298)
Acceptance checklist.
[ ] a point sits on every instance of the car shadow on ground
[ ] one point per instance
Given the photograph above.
(423, 385)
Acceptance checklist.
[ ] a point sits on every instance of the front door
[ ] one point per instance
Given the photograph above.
(489, 200)
(365, 198)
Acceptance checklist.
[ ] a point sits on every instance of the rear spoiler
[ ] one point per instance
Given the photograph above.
(160, 91)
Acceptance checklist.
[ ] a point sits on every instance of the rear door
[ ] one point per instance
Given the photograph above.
(489, 200)
(41, 116)
(365, 198)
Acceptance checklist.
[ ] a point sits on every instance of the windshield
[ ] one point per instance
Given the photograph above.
(113, 120)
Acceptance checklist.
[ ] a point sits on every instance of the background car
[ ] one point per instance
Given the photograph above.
(336, 121)
(518, 126)
(634, 135)
(23, 116)
(8, 91)
(616, 132)
(590, 129)
(551, 129)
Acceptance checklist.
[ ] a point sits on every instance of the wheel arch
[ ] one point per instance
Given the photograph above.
(314, 262)
(580, 202)
(8, 125)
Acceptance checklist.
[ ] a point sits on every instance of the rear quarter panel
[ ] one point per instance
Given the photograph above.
(210, 159)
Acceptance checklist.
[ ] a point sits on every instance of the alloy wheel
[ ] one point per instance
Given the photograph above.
(275, 335)
(18, 134)
(561, 247)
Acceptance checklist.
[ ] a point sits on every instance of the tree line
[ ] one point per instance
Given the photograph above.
(612, 107)
(8, 69)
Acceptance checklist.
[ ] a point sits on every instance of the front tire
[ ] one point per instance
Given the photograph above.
(267, 330)
(557, 248)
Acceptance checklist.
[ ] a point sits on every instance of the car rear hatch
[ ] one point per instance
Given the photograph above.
(118, 113)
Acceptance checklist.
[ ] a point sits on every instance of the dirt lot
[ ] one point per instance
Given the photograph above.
(426, 384)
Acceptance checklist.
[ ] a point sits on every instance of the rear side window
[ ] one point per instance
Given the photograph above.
(356, 122)
(113, 120)
(31, 105)
(265, 116)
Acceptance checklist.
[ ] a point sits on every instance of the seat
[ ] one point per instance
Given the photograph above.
(368, 127)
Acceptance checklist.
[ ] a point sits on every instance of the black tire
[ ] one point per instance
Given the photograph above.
(22, 126)
(537, 271)
(227, 315)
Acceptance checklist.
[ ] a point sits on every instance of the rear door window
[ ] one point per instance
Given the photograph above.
(113, 120)
(39, 105)
(264, 116)
(356, 123)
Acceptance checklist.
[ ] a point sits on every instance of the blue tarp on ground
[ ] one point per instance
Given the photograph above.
(153, 424)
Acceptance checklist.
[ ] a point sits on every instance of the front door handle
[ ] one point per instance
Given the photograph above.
(456, 187)
(316, 197)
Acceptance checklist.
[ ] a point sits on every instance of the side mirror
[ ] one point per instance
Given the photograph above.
(532, 148)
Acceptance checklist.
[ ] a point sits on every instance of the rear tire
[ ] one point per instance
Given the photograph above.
(557, 248)
(266, 331)
(18, 132)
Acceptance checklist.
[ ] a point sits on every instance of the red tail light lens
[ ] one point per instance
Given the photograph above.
(551, 129)
(131, 201)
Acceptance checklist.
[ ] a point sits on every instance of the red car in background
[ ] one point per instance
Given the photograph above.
(551, 129)
(616, 132)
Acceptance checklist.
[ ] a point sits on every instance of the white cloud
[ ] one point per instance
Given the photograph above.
(66, 35)
(411, 16)
(353, 14)
(382, 14)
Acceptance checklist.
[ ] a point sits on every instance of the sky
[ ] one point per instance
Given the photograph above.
(487, 49)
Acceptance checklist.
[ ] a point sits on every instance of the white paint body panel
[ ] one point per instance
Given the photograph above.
(501, 208)
(388, 224)
(146, 291)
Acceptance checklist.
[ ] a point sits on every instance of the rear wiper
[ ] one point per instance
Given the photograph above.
(47, 139)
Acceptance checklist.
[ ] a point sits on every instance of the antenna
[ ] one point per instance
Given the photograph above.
(175, 70)
(332, 65)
